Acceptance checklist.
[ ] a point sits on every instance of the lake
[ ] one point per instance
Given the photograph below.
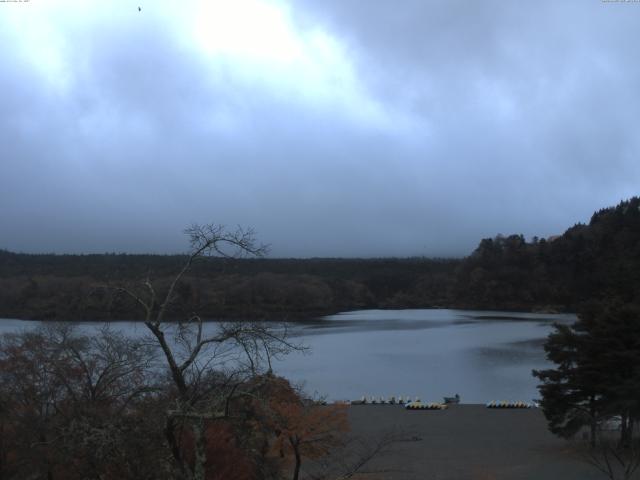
(480, 355)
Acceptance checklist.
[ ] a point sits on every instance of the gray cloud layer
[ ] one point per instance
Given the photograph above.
(428, 126)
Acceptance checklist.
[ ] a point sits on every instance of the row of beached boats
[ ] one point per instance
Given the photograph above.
(406, 401)
(426, 406)
(384, 401)
(417, 404)
(505, 404)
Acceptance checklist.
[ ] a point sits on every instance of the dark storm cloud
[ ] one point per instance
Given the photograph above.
(401, 129)
(534, 103)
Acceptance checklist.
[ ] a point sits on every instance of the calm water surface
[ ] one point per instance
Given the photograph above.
(480, 355)
(428, 353)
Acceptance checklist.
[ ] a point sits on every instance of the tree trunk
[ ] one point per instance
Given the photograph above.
(593, 433)
(2, 452)
(594, 423)
(172, 441)
(296, 452)
(200, 445)
(624, 431)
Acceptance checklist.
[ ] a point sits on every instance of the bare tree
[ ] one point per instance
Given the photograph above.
(605, 452)
(609, 456)
(206, 368)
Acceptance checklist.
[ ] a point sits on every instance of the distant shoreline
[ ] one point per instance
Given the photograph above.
(506, 315)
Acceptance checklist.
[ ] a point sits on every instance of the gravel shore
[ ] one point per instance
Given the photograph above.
(468, 442)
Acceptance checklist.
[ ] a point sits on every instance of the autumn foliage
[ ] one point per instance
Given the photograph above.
(302, 428)
(186, 402)
(74, 407)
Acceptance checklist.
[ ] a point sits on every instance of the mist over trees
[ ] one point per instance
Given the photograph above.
(598, 260)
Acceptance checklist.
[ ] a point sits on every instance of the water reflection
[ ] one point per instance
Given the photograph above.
(428, 353)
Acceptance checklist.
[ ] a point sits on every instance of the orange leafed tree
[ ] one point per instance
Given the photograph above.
(303, 428)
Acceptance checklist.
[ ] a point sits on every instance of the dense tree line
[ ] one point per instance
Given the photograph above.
(598, 260)
(72, 286)
(594, 387)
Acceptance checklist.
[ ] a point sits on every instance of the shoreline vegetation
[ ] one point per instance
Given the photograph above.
(313, 317)
(507, 273)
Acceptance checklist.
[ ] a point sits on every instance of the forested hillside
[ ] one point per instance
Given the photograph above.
(587, 262)
(76, 286)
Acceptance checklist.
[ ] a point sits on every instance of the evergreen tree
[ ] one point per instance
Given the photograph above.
(614, 335)
(597, 373)
(570, 400)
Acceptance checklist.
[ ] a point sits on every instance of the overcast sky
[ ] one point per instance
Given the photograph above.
(333, 127)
